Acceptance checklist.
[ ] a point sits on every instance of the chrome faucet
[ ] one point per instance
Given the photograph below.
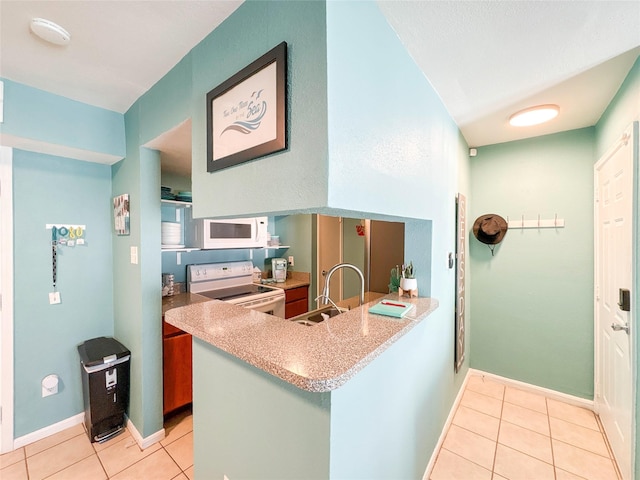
(327, 279)
(328, 300)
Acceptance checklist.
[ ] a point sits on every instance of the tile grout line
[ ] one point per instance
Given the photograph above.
(609, 449)
(495, 451)
(464, 458)
(101, 464)
(26, 464)
(553, 457)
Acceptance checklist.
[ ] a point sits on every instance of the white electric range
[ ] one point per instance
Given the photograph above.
(233, 282)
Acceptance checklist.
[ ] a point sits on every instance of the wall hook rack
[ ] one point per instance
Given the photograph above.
(538, 222)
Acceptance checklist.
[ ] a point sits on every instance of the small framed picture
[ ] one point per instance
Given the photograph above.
(121, 214)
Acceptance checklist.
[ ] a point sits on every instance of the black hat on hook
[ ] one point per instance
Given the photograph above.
(490, 229)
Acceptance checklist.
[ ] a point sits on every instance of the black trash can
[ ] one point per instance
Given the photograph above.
(105, 385)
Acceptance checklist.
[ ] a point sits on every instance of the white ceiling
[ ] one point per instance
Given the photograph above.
(485, 58)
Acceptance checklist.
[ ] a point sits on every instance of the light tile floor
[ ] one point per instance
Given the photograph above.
(499, 432)
(69, 455)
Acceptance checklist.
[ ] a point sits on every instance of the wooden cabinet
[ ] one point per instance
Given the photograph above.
(296, 301)
(176, 368)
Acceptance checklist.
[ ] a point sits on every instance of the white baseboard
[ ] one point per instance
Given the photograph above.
(553, 394)
(144, 442)
(445, 428)
(547, 392)
(48, 431)
(78, 419)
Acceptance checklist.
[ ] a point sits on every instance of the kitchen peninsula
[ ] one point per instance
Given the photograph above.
(276, 399)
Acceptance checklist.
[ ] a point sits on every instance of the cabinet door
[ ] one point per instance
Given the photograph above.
(297, 301)
(177, 372)
(297, 307)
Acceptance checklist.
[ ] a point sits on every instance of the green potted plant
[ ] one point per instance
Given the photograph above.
(408, 280)
(394, 281)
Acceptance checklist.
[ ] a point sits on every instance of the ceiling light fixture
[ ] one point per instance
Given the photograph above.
(534, 115)
(50, 31)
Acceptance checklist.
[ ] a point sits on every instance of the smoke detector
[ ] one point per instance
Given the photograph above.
(50, 32)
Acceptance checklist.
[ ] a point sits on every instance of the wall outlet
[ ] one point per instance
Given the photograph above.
(291, 260)
(54, 298)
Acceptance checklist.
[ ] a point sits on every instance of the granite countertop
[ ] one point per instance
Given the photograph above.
(294, 280)
(319, 358)
(353, 302)
(181, 300)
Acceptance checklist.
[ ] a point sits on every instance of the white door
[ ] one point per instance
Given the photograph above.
(329, 254)
(6, 301)
(613, 273)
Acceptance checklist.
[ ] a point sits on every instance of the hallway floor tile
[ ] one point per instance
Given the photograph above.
(504, 433)
(69, 455)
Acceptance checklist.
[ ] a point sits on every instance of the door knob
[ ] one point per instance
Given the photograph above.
(616, 327)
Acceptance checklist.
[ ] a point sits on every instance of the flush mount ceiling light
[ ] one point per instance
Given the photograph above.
(50, 31)
(534, 115)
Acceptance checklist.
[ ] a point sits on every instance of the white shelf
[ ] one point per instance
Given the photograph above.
(176, 202)
(192, 249)
(180, 249)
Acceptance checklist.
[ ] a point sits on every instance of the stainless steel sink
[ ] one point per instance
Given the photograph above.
(317, 316)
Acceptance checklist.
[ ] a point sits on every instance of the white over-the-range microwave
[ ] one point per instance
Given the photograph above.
(227, 233)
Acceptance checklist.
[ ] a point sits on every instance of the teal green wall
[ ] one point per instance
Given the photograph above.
(252, 30)
(38, 116)
(297, 231)
(624, 109)
(533, 300)
(386, 420)
(249, 424)
(50, 190)
(391, 140)
(137, 296)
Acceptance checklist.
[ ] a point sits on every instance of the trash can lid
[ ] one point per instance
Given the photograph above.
(101, 350)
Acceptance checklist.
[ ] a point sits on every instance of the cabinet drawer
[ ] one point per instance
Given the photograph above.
(295, 294)
(297, 307)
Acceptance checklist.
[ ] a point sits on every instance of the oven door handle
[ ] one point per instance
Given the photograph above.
(263, 302)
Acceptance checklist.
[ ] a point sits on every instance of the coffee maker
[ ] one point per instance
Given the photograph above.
(279, 269)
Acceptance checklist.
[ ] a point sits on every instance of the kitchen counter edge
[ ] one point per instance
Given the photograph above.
(320, 358)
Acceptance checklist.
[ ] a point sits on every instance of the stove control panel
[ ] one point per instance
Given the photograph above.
(217, 271)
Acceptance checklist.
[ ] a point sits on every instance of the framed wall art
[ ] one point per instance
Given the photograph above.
(246, 114)
(121, 214)
(461, 244)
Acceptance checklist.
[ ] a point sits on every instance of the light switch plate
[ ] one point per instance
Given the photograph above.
(134, 255)
(54, 298)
